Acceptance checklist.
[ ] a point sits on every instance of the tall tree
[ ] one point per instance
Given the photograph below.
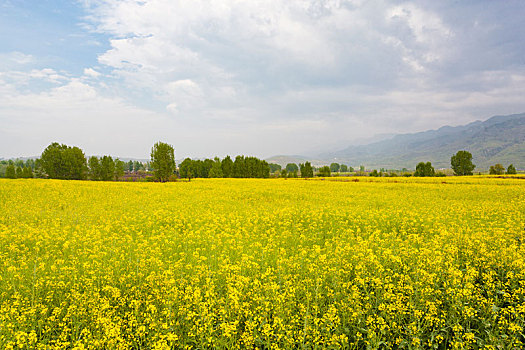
(227, 167)
(120, 168)
(186, 169)
(64, 162)
(461, 163)
(334, 167)
(27, 172)
(306, 170)
(291, 167)
(511, 170)
(274, 167)
(424, 169)
(163, 161)
(324, 171)
(10, 171)
(94, 168)
(497, 169)
(138, 166)
(216, 168)
(344, 168)
(107, 168)
(239, 168)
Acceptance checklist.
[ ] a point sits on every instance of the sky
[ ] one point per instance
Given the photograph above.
(257, 77)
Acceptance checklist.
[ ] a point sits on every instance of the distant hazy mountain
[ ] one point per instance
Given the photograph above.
(500, 139)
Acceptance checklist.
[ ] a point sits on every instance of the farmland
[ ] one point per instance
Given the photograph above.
(247, 263)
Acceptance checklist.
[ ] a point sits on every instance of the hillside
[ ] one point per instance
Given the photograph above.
(500, 139)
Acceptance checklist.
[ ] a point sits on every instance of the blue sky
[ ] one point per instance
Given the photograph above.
(260, 77)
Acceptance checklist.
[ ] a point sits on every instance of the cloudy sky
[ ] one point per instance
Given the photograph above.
(258, 77)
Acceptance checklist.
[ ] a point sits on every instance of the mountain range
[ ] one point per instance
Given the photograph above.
(500, 139)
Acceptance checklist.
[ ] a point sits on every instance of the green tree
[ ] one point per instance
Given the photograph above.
(511, 170)
(10, 171)
(497, 169)
(206, 166)
(39, 171)
(94, 168)
(19, 172)
(334, 167)
(344, 168)
(424, 169)
(120, 168)
(107, 168)
(163, 161)
(216, 168)
(324, 171)
(138, 166)
(274, 168)
(227, 167)
(291, 167)
(30, 163)
(64, 162)
(27, 172)
(374, 173)
(130, 166)
(306, 170)
(186, 169)
(239, 169)
(461, 163)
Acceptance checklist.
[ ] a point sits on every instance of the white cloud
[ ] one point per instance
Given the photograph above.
(15, 57)
(90, 72)
(271, 76)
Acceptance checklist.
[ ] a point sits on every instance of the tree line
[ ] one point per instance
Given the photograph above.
(59, 161)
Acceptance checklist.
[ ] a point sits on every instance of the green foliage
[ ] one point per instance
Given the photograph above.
(291, 167)
(107, 168)
(39, 171)
(374, 173)
(162, 161)
(27, 172)
(324, 171)
(185, 169)
(120, 168)
(94, 168)
(461, 163)
(10, 172)
(511, 170)
(242, 167)
(343, 168)
(138, 166)
(227, 167)
(216, 168)
(64, 162)
(334, 167)
(424, 169)
(497, 169)
(274, 168)
(351, 169)
(306, 170)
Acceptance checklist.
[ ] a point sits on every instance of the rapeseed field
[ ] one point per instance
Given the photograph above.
(392, 263)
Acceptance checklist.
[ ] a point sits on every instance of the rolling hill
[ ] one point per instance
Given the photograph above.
(500, 139)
